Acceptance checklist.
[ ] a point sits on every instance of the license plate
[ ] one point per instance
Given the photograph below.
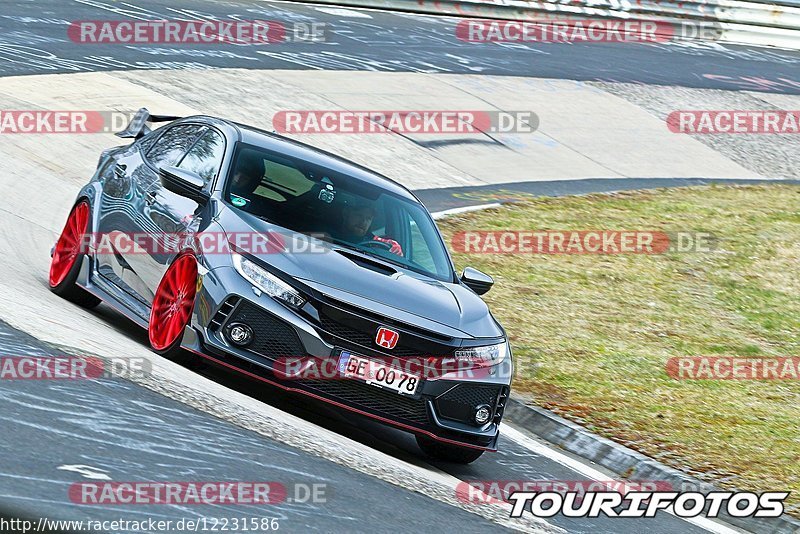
(377, 373)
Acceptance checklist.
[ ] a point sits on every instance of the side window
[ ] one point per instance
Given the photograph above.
(173, 144)
(419, 252)
(283, 182)
(423, 234)
(205, 157)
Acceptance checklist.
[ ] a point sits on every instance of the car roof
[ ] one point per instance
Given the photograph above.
(316, 156)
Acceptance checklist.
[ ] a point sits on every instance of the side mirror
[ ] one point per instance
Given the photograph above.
(184, 183)
(477, 281)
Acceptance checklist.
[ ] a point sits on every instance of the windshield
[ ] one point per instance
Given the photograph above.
(305, 198)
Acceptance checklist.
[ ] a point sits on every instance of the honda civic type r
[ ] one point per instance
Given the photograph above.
(353, 272)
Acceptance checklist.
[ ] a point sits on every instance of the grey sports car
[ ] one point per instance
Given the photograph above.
(295, 267)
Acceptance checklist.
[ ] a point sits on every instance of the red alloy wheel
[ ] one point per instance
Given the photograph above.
(173, 303)
(68, 246)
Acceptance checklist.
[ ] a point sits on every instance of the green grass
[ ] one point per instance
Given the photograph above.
(592, 333)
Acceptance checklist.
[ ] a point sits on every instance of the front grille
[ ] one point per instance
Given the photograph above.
(459, 402)
(361, 331)
(272, 337)
(343, 331)
(376, 318)
(372, 399)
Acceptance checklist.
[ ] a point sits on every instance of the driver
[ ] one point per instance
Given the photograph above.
(355, 223)
(248, 175)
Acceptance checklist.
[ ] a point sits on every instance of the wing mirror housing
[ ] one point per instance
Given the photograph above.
(477, 281)
(184, 183)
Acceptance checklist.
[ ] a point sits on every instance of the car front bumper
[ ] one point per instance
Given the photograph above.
(441, 408)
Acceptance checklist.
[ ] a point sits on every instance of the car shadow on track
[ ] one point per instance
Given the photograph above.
(359, 428)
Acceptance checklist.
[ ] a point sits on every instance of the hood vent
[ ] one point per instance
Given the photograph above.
(367, 262)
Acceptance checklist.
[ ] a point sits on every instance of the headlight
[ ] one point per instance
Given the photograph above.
(267, 282)
(483, 356)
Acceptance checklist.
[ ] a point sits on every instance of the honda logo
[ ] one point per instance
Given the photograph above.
(386, 338)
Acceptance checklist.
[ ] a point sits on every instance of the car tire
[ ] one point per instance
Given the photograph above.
(448, 453)
(173, 305)
(68, 257)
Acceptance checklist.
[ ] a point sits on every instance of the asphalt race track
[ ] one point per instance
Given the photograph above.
(208, 423)
(131, 433)
(117, 427)
(32, 42)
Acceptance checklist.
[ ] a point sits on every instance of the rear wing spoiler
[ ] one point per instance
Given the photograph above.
(138, 126)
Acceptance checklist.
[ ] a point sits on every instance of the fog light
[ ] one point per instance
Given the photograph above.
(482, 415)
(240, 334)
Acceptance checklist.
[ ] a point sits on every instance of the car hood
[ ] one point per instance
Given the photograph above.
(447, 308)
